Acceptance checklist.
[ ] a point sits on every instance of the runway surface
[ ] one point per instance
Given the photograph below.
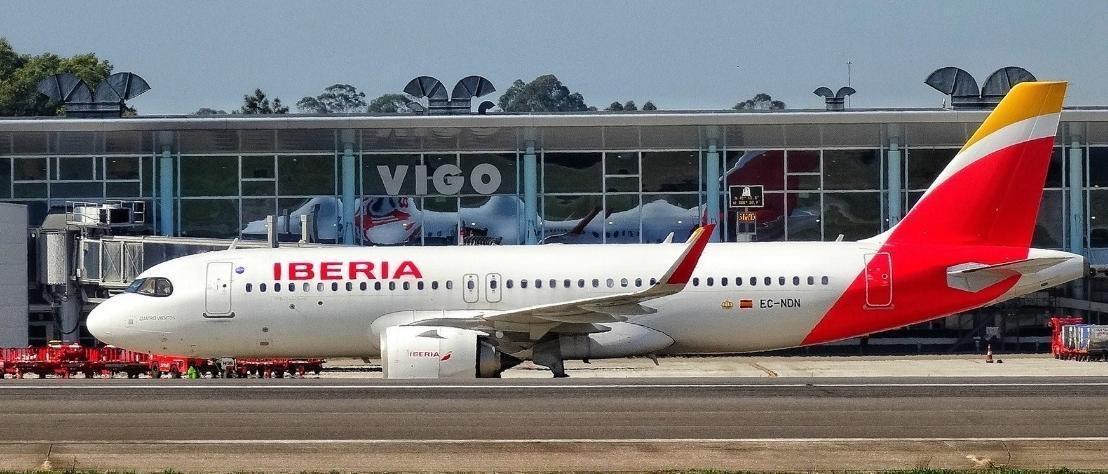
(554, 424)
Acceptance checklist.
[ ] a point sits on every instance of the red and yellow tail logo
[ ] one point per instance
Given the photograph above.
(990, 193)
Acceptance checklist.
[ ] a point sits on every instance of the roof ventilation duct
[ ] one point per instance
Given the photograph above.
(459, 101)
(79, 100)
(963, 91)
(835, 101)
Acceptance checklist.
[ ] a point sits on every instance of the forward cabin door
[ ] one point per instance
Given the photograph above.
(879, 280)
(492, 287)
(217, 292)
(471, 288)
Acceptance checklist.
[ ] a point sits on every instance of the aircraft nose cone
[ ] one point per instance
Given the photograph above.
(99, 322)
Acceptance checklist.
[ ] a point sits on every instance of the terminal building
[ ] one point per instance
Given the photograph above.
(519, 179)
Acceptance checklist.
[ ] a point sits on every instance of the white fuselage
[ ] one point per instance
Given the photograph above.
(743, 297)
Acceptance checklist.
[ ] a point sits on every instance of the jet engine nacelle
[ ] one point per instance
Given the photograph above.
(437, 352)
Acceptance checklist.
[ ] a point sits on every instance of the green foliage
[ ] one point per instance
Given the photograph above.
(209, 111)
(259, 104)
(335, 99)
(21, 73)
(630, 106)
(391, 104)
(544, 94)
(760, 101)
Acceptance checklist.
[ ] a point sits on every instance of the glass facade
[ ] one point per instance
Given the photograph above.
(598, 182)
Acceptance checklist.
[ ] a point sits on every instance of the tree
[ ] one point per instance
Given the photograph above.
(615, 107)
(760, 101)
(649, 105)
(21, 73)
(335, 99)
(209, 111)
(259, 104)
(630, 106)
(391, 104)
(544, 94)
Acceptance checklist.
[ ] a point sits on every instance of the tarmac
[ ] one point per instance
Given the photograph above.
(751, 413)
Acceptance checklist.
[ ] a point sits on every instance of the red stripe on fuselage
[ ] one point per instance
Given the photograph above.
(944, 230)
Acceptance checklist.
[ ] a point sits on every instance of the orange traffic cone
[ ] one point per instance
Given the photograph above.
(989, 354)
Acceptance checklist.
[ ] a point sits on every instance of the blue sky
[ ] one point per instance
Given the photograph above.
(681, 55)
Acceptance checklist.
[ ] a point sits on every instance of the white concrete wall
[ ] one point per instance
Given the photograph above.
(13, 275)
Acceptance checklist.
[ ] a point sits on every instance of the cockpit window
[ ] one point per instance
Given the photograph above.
(155, 286)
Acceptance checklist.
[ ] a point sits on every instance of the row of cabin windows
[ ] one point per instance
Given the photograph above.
(552, 283)
(349, 286)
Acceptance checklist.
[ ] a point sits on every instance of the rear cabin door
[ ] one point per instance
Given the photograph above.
(217, 296)
(879, 280)
(471, 288)
(492, 287)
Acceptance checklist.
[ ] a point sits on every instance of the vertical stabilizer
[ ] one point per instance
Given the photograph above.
(990, 193)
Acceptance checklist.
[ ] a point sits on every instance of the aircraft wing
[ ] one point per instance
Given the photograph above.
(582, 314)
(610, 308)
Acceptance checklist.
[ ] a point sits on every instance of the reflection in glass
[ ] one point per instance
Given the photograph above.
(803, 216)
(621, 184)
(1049, 228)
(387, 220)
(572, 172)
(257, 167)
(505, 163)
(88, 189)
(663, 214)
(440, 221)
(256, 210)
(670, 171)
(625, 162)
(1055, 173)
(75, 169)
(29, 169)
(756, 167)
(491, 219)
(306, 175)
(1098, 218)
(122, 167)
(374, 179)
(258, 188)
(572, 219)
(851, 169)
(121, 190)
(1098, 167)
(216, 218)
(854, 215)
(5, 178)
(209, 176)
(621, 218)
(924, 165)
(803, 161)
(768, 225)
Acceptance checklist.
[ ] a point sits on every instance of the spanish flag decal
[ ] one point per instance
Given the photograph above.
(746, 304)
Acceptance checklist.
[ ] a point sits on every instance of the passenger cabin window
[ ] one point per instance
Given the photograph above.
(492, 284)
(523, 283)
(811, 280)
(581, 283)
(450, 284)
(753, 281)
(709, 281)
(595, 283)
(377, 286)
(307, 287)
(249, 287)
(696, 281)
(363, 286)
(611, 283)
(796, 281)
(392, 286)
(419, 285)
(768, 281)
(261, 287)
(823, 280)
(407, 285)
(565, 283)
(638, 282)
(435, 285)
(292, 286)
(334, 286)
(508, 283)
(538, 283)
(623, 282)
(470, 285)
(723, 281)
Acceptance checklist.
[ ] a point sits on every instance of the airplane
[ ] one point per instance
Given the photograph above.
(466, 312)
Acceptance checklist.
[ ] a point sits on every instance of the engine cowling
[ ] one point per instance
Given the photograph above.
(437, 352)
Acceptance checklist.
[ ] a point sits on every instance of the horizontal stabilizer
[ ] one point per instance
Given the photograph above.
(976, 277)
